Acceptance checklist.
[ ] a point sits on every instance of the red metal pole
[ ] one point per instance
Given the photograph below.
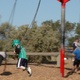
(63, 38)
(62, 50)
(62, 62)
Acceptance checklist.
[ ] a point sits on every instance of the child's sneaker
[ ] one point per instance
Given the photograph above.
(29, 71)
(29, 74)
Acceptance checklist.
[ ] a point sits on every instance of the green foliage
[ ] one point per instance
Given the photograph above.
(76, 34)
(69, 26)
(78, 29)
(44, 38)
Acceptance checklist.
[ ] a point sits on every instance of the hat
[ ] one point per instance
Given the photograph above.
(15, 42)
(78, 45)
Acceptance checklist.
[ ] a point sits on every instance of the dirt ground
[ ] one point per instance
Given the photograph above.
(39, 72)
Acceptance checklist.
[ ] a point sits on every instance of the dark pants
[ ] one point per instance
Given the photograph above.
(1, 59)
(76, 62)
(22, 62)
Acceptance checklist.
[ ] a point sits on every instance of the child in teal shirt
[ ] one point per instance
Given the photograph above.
(22, 57)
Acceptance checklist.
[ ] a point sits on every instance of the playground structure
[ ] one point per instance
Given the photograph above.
(62, 50)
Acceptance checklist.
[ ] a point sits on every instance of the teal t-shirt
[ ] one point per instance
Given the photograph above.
(23, 53)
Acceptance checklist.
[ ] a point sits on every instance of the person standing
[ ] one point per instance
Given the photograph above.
(22, 57)
(3, 57)
(76, 62)
(74, 45)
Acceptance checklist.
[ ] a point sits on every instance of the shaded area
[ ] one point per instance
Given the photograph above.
(68, 68)
(49, 62)
(45, 64)
(68, 74)
(7, 73)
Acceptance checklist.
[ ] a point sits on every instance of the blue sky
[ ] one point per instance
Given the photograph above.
(49, 10)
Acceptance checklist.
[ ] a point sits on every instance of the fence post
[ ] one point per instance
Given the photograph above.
(58, 60)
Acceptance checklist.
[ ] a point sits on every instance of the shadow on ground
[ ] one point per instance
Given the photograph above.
(6, 73)
(71, 72)
(50, 64)
(68, 74)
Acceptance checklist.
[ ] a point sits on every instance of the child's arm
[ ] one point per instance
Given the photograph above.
(15, 56)
(14, 52)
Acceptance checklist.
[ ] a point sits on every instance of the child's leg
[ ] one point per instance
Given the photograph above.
(23, 64)
(29, 70)
(75, 68)
(22, 67)
(76, 65)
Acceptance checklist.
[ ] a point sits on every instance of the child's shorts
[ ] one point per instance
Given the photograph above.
(76, 62)
(22, 62)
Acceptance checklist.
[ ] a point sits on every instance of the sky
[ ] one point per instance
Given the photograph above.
(48, 10)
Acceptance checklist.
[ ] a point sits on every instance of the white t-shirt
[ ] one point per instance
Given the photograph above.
(3, 54)
(76, 43)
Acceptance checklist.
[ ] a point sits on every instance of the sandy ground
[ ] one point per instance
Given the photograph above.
(40, 72)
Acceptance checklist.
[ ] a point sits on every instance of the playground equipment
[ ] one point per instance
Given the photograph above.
(11, 18)
(62, 50)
